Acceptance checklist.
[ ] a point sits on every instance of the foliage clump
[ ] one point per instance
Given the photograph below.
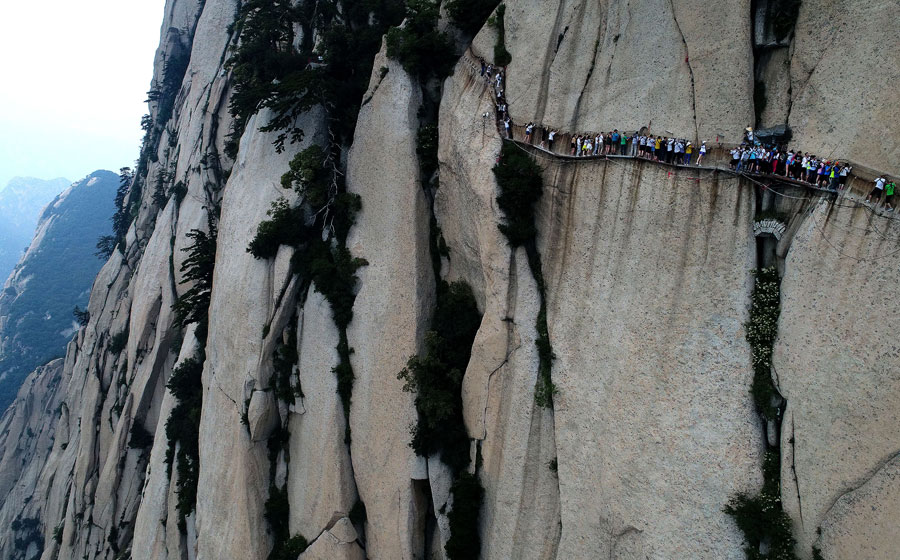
(761, 330)
(183, 433)
(419, 46)
(198, 268)
(465, 542)
(118, 341)
(140, 438)
(521, 187)
(317, 229)
(435, 377)
(469, 15)
(285, 226)
(762, 519)
(501, 55)
(82, 316)
(272, 68)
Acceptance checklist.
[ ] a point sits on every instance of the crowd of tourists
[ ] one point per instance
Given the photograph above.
(752, 156)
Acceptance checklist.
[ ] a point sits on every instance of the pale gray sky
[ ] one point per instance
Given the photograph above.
(73, 80)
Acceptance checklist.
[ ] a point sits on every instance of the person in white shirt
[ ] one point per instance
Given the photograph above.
(550, 138)
(842, 180)
(879, 188)
(702, 153)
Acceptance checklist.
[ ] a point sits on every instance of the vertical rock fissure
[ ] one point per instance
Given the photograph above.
(767, 528)
(555, 38)
(521, 185)
(587, 80)
(793, 442)
(687, 61)
(772, 27)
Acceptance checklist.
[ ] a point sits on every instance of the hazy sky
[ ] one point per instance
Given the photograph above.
(73, 80)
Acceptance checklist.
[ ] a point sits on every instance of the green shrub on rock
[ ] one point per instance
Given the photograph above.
(465, 542)
(521, 186)
(419, 46)
(470, 15)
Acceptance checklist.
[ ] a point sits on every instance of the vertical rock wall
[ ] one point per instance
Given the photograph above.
(681, 67)
(838, 366)
(392, 310)
(648, 284)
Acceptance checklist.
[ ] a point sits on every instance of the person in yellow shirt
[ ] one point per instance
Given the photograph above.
(656, 151)
(688, 150)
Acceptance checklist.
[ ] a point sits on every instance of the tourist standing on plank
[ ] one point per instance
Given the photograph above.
(889, 195)
(877, 190)
(845, 171)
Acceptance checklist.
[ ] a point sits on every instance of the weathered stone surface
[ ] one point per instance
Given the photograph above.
(863, 523)
(655, 428)
(391, 311)
(152, 538)
(775, 73)
(242, 304)
(648, 285)
(262, 415)
(521, 515)
(320, 479)
(27, 433)
(683, 65)
(335, 543)
(844, 76)
(838, 366)
(522, 510)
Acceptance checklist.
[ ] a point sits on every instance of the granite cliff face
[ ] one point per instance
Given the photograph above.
(645, 294)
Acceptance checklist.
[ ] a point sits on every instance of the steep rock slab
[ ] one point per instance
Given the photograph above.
(520, 518)
(335, 543)
(153, 538)
(391, 312)
(844, 75)
(862, 524)
(838, 366)
(28, 430)
(683, 65)
(648, 285)
(320, 477)
(521, 514)
(234, 472)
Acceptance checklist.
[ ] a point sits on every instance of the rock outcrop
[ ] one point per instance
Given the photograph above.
(646, 282)
(836, 361)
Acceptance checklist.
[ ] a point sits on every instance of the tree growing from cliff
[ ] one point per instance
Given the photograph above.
(419, 46)
(197, 270)
(436, 375)
(183, 433)
(521, 187)
(469, 15)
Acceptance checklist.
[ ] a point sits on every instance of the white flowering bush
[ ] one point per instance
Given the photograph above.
(762, 328)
